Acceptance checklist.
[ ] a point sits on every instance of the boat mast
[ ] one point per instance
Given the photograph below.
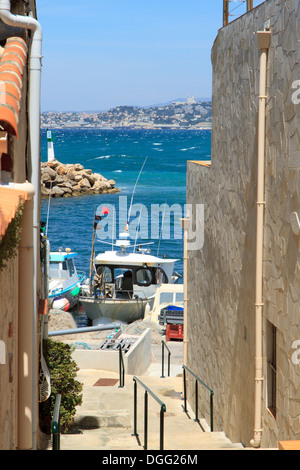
(93, 249)
(161, 228)
(130, 207)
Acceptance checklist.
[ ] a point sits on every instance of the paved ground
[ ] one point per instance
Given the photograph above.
(105, 419)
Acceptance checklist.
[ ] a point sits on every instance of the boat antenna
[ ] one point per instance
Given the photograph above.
(93, 249)
(129, 213)
(138, 226)
(162, 223)
(113, 231)
(48, 209)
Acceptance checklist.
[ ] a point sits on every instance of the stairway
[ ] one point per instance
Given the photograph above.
(104, 421)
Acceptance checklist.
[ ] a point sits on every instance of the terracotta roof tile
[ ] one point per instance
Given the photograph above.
(12, 66)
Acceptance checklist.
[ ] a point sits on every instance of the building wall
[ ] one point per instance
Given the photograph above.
(9, 277)
(9, 366)
(221, 276)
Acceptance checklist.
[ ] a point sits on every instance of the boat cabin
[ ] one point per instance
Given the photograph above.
(62, 265)
(131, 275)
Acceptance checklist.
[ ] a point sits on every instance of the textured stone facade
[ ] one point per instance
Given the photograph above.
(9, 359)
(10, 334)
(221, 277)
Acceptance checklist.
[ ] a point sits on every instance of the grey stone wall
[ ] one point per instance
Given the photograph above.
(221, 277)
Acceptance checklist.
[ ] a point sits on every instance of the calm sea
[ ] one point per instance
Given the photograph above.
(120, 155)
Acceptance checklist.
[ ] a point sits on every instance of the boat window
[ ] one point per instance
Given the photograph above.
(107, 274)
(179, 297)
(166, 298)
(144, 277)
(54, 265)
(160, 276)
(71, 268)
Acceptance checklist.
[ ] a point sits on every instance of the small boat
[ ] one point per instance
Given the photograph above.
(168, 297)
(125, 283)
(64, 280)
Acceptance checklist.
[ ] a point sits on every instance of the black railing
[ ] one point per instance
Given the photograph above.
(162, 412)
(196, 396)
(121, 368)
(163, 346)
(56, 424)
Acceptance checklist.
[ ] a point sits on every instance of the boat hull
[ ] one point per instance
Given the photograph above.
(107, 310)
(67, 300)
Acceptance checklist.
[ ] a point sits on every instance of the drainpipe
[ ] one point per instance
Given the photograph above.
(185, 223)
(264, 38)
(35, 67)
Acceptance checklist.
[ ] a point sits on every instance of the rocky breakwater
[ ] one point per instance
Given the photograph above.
(59, 180)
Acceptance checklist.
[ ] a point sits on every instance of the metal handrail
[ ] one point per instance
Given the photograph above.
(162, 411)
(121, 368)
(196, 396)
(56, 424)
(163, 345)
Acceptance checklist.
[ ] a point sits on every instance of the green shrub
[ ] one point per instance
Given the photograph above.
(63, 372)
(10, 241)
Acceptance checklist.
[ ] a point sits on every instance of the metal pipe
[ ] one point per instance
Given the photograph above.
(264, 38)
(35, 67)
(86, 329)
(185, 223)
(146, 420)
(56, 423)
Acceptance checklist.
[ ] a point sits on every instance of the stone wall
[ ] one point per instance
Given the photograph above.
(9, 361)
(9, 276)
(221, 277)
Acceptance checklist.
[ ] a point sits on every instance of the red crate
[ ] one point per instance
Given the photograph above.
(174, 332)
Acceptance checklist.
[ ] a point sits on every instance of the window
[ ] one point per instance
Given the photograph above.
(271, 367)
(160, 276)
(144, 277)
(54, 265)
(106, 271)
(71, 267)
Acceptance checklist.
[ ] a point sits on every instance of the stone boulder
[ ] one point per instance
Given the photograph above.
(59, 180)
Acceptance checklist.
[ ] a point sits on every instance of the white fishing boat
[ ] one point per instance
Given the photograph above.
(64, 280)
(125, 282)
(125, 278)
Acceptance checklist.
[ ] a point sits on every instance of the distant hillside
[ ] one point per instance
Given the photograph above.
(178, 114)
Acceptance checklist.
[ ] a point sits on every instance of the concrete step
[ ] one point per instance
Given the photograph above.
(105, 418)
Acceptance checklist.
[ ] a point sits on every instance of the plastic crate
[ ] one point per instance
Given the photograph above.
(174, 332)
(172, 315)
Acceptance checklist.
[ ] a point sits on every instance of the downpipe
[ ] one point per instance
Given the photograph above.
(264, 38)
(35, 66)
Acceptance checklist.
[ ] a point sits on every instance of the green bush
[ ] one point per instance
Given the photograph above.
(10, 241)
(63, 372)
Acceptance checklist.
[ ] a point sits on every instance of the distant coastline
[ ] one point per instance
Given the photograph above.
(205, 126)
(185, 115)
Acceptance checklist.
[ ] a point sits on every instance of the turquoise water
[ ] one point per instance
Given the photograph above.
(120, 154)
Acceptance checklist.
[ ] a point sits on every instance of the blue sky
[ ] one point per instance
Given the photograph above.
(98, 54)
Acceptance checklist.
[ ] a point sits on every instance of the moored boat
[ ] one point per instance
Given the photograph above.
(64, 280)
(125, 283)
